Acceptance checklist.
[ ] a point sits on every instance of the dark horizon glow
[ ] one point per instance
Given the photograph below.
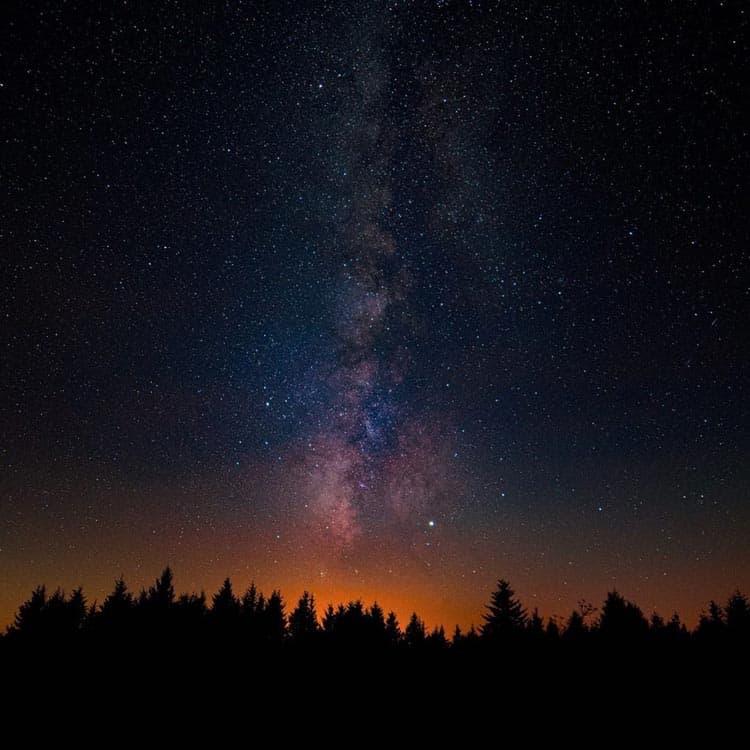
(384, 303)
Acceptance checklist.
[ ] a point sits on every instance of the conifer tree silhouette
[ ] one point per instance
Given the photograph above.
(303, 622)
(76, 611)
(377, 618)
(414, 634)
(392, 629)
(161, 594)
(225, 612)
(535, 626)
(67, 620)
(675, 629)
(506, 616)
(711, 624)
(274, 618)
(575, 628)
(117, 604)
(56, 615)
(657, 624)
(622, 620)
(329, 619)
(436, 640)
(225, 606)
(29, 620)
(250, 601)
(552, 631)
(192, 611)
(458, 636)
(737, 615)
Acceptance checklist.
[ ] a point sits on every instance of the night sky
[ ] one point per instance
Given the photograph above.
(381, 299)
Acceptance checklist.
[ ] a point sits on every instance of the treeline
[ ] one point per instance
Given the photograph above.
(258, 622)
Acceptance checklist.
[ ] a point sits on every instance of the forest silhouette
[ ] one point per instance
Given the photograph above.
(253, 624)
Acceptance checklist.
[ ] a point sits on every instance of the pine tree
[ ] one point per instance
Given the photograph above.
(118, 603)
(30, 617)
(274, 619)
(56, 614)
(224, 606)
(77, 612)
(377, 617)
(303, 622)
(458, 637)
(621, 619)
(161, 594)
(436, 639)
(552, 630)
(392, 629)
(535, 625)
(506, 616)
(711, 625)
(329, 619)
(575, 629)
(414, 635)
(676, 630)
(738, 614)
(251, 611)
(192, 609)
(250, 601)
(657, 624)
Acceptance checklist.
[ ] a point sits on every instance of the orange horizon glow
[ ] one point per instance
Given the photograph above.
(462, 606)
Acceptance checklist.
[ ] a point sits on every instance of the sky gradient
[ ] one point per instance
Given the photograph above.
(383, 302)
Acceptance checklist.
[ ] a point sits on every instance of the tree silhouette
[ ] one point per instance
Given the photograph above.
(675, 629)
(56, 615)
(161, 594)
(414, 635)
(436, 640)
(738, 615)
(657, 623)
(377, 619)
(273, 618)
(535, 626)
(506, 616)
(331, 617)
(51, 617)
(66, 621)
(224, 616)
(191, 610)
(29, 620)
(622, 620)
(76, 611)
(250, 601)
(251, 609)
(458, 636)
(711, 625)
(118, 604)
(392, 629)
(225, 606)
(552, 631)
(303, 622)
(575, 629)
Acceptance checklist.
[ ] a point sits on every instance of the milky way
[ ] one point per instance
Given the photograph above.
(367, 461)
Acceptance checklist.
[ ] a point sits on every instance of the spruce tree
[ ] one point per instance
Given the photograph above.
(303, 622)
(506, 615)
(415, 634)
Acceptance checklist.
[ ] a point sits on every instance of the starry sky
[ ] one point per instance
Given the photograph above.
(381, 299)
